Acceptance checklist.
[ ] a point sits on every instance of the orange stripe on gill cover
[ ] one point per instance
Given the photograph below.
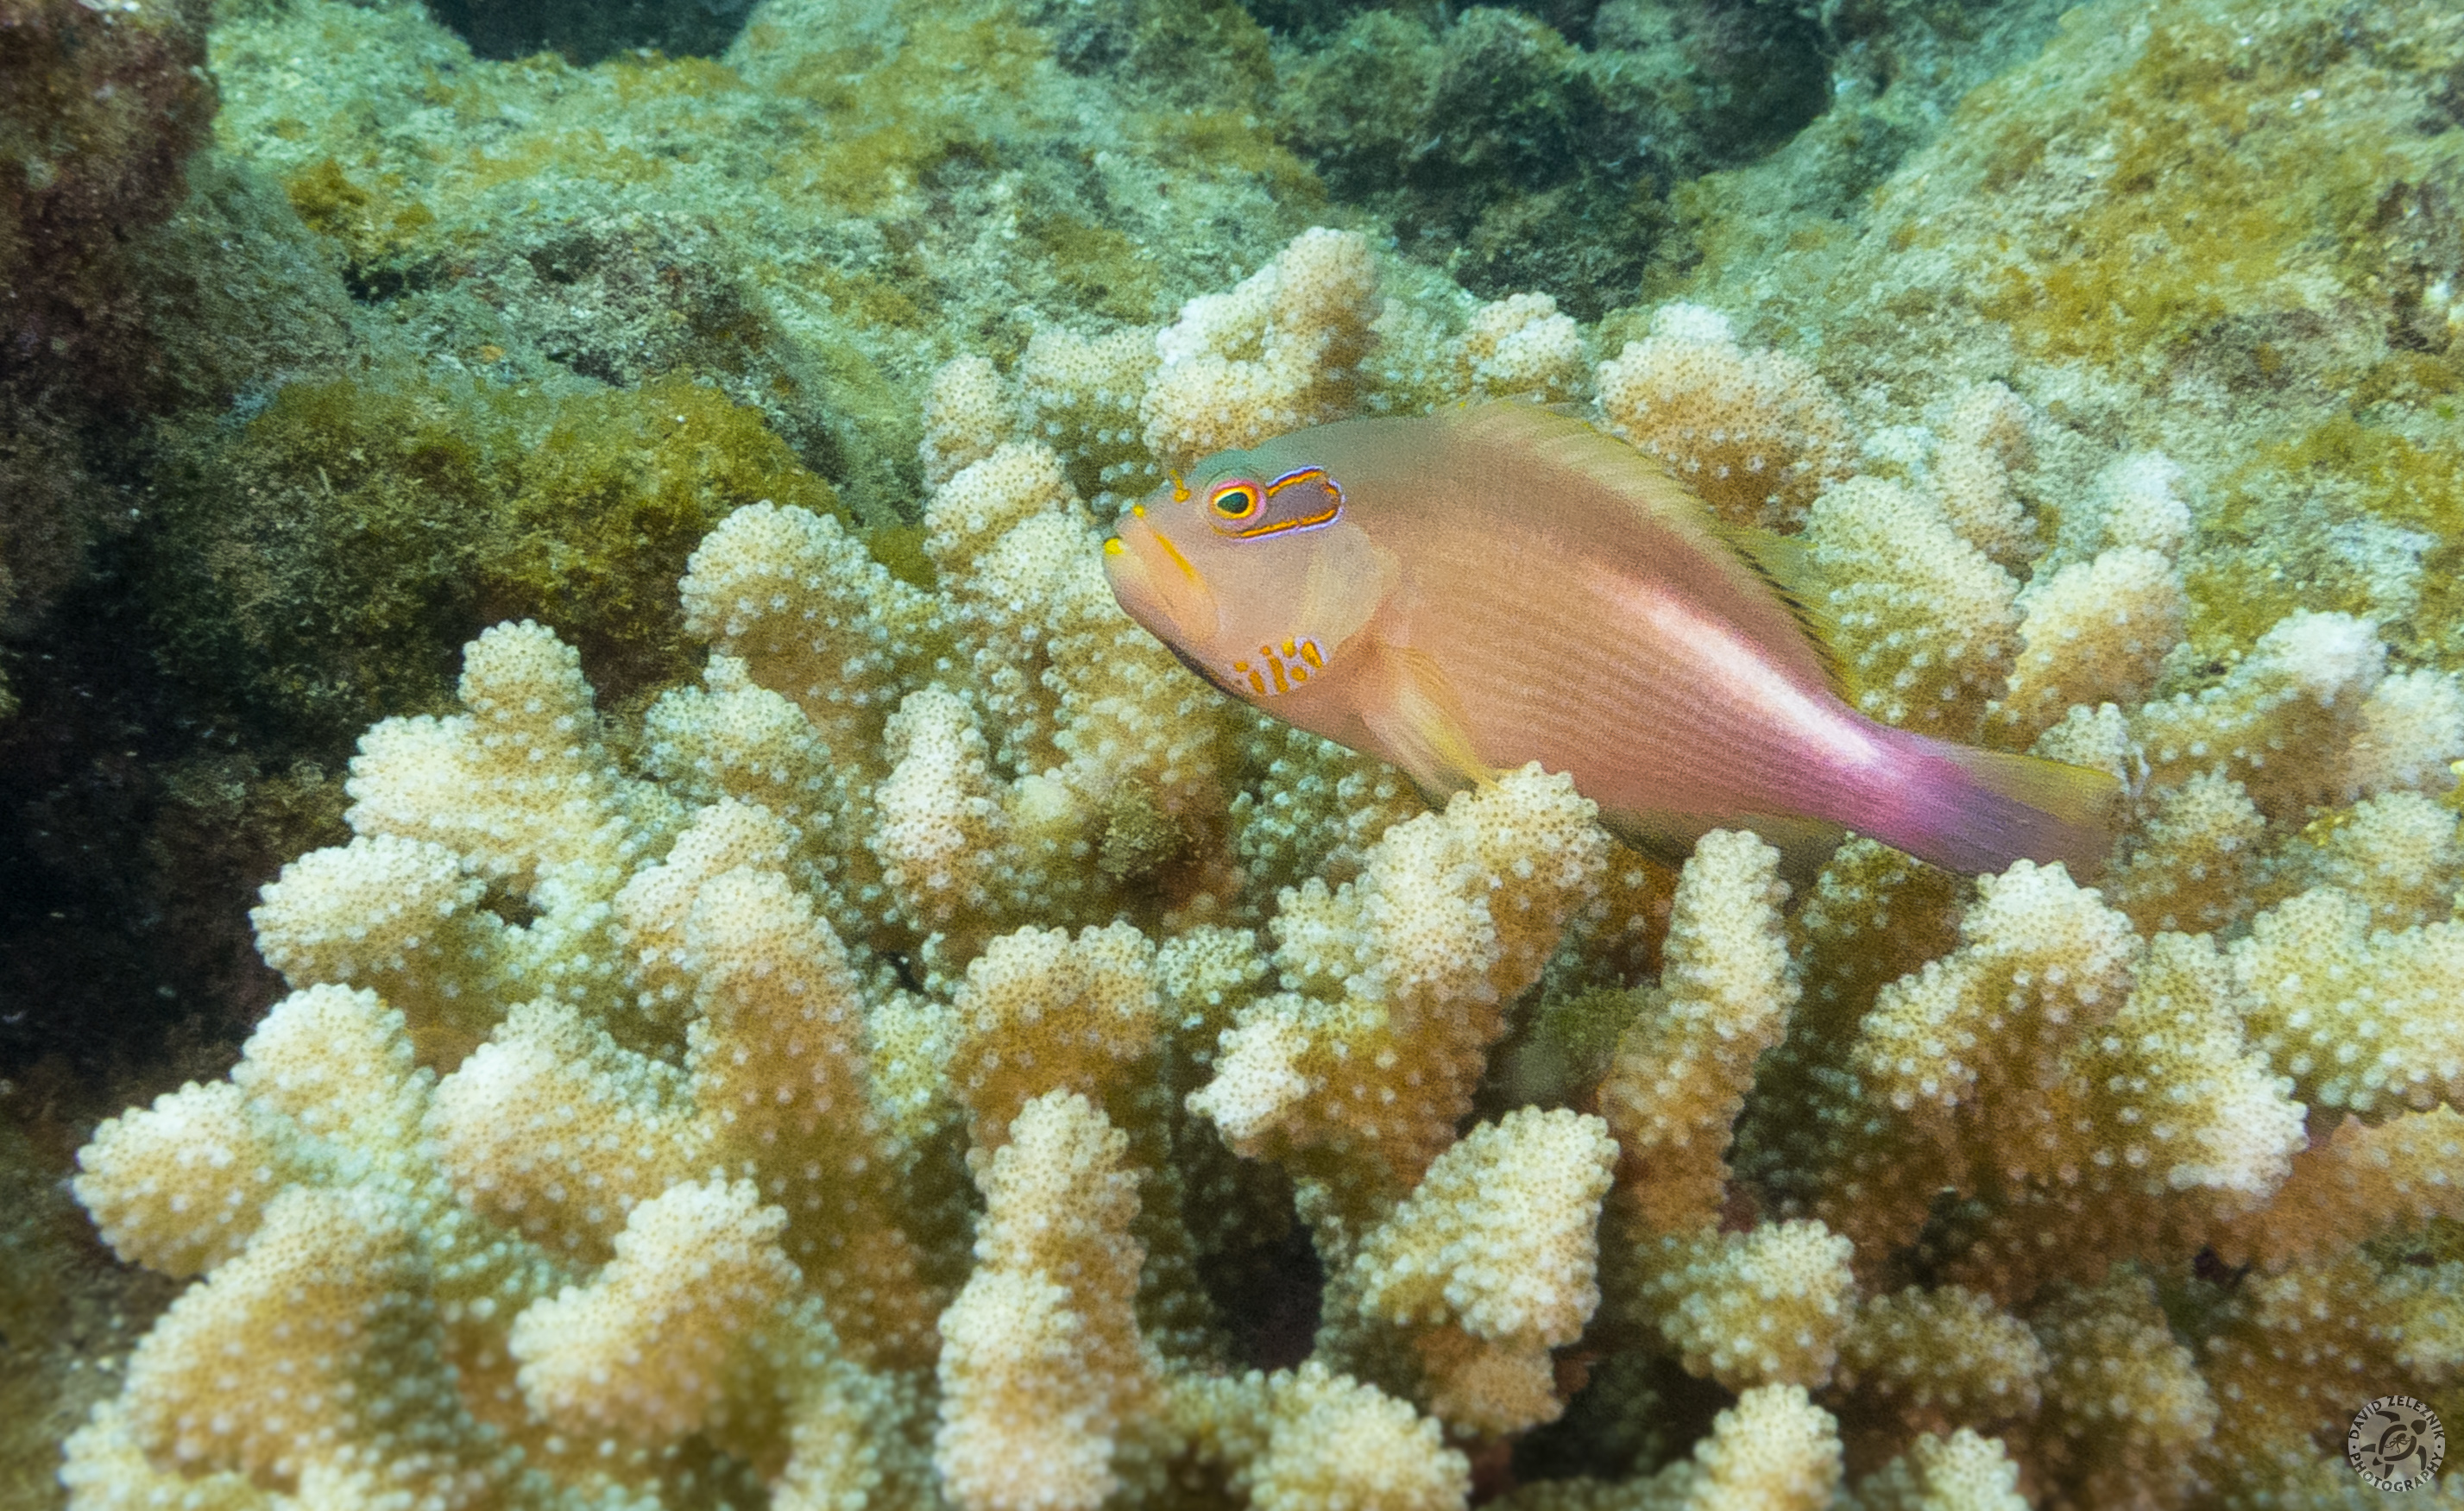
(1279, 671)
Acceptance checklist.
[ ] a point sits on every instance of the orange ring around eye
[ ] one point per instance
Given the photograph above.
(1236, 500)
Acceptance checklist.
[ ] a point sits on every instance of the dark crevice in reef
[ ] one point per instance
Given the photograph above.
(1268, 1298)
(133, 829)
(586, 31)
(1534, 147)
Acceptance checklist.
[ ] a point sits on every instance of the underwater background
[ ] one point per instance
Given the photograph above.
(598, 906)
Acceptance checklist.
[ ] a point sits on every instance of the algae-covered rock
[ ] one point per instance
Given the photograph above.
(1518, 160)
(99, 108)
(2229, 233)
(813, 220)
(314, 561)
(586, 31)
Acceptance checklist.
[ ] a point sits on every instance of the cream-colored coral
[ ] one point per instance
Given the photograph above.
(1759, 435)
(1395, 980)
(2399, 854)
(2193, 858)
(1040, 1011)
(1774, 1450)
(2139, 504)
(180, 1186)
(1275, 354)
(1315, 808)
(620, 1144)
(364, 1397)
(1983, 444)
(553, 1128)
(1080, 396)
(777, 1064)
(1983, 1024)
(1040, 1359)
(652, 906)
(2359, 1017)
(2289, 1346)
(813, 617)
(2411, 737)
(1521, 347)
(1309, 1438)
(2091, 1084)
(2299, 693)
(1499, 1242)
(2360, 1182)
(1938, 1358)
(734, 741)
(651, 1347)
(2096, 632)
(1926, 624)
(399, 916)
(323, 1082)
(1104, 748)
(1765, 1306)
(1682, 1068)
(2126, 1403)
(939, 826)
(520, 786)
(1962, 1472)
(967, 417)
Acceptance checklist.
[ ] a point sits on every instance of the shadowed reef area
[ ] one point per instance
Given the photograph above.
(599, 909)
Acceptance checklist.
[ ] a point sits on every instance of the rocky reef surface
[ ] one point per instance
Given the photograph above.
(767, 989)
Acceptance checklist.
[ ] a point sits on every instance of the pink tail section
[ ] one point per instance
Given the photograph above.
(1976, 811)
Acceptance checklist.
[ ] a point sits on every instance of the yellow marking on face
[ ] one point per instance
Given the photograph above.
(1177, 560)
(1113, 546)
(1308, 653)
(1180, 490)
(1138, 511)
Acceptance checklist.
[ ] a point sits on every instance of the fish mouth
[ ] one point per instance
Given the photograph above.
(1157, 586)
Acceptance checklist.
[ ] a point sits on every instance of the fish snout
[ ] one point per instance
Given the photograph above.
(1157, 585)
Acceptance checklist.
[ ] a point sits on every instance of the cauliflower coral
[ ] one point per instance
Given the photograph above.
(949, 1055)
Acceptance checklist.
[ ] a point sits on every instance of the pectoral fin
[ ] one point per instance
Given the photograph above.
(1419, 723)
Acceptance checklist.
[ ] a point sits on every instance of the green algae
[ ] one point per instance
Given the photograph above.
(319, 563)
(2217, 188)
(2376, 472)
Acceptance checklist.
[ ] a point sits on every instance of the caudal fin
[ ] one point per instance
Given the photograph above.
(1977, 811)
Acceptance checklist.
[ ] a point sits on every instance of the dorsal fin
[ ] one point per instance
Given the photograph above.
(1756, 580)
(1787, 563)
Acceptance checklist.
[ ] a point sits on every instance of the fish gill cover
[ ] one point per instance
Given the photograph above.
(767, 989)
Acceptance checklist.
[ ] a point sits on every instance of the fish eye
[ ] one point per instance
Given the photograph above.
(1236, 500)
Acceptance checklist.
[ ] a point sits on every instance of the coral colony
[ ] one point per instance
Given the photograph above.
(875, 1088)
(902, 1040)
